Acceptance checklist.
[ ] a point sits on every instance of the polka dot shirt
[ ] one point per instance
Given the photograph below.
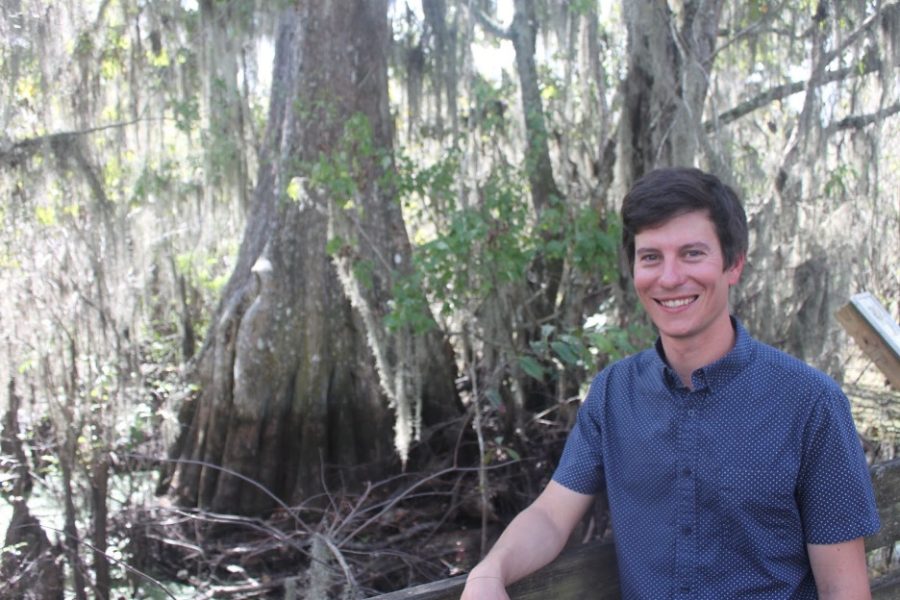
(714, 492)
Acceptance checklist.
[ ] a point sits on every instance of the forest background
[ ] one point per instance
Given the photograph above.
(300, 298)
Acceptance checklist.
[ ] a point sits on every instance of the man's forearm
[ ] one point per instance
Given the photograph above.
(529, 542)
(533, 538)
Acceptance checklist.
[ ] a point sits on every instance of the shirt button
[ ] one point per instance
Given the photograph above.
(686, 472)
(692, 412)
(686, 530)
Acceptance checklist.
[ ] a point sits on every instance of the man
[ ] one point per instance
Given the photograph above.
(732, 469)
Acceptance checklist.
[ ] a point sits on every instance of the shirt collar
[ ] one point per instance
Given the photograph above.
(716, 374)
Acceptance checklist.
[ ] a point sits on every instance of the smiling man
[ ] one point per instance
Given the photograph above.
(732, 469)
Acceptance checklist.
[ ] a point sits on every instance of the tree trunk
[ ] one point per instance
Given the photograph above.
(67, 461)
(225, 119)
(666, 86)
(537, 154)
(538, 165)
(27, 560)
(100, 525)
(435, 12)
(298, 370)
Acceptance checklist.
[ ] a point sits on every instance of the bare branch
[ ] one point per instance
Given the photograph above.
(490, 25)
(864, 27)
(233, 473)
(870, 64)
(339, 557)
(754, 28)
(13, 155)
(408, 491)
(100, 14)
(119, 562)
(860, 121)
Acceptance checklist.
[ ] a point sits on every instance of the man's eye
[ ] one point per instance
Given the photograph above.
(649, 257)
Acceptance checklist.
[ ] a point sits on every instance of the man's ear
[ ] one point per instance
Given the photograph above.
(735, 270)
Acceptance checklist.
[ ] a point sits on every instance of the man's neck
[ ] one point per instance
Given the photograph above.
(686, 355)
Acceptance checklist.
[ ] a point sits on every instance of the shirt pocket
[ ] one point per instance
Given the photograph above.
(759, 512)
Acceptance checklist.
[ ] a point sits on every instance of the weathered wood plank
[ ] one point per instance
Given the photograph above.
(590, 570)
(886, 587)
(445, 589)
(876, 332)
(588, 567)
(886, 482)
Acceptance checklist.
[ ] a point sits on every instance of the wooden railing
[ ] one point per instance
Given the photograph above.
(589, 571)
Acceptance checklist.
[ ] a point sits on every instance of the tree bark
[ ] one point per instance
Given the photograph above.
(27, 561)
(298, 371)
(444, 83)
(66, 464)
(225, 119)
(537, 154)
(669, 61)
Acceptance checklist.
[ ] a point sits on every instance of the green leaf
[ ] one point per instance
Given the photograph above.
(46, 215)
(334, 245)
(531, 367)
(293, 189)
(565, 352)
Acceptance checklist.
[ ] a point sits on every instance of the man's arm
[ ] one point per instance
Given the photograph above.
(840, 570)
(533, 539)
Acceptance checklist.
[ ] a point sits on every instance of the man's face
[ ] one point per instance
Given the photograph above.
(680, 278)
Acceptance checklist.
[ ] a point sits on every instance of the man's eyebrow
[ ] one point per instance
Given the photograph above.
(696, 245)
(689, 246)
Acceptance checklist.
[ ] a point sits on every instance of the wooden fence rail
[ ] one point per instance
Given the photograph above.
(589, 570)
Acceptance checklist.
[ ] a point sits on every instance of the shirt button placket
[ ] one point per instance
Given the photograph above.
(685, 499)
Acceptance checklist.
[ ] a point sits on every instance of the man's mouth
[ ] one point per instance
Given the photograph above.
(677, 302)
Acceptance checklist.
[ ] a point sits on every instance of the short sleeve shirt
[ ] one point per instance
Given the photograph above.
(714, 492)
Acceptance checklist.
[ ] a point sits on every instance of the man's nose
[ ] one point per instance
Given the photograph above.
(672, 274)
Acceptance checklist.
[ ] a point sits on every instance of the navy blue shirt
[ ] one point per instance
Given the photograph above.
(714, 492)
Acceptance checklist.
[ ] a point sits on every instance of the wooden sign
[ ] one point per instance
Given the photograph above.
(876, 332)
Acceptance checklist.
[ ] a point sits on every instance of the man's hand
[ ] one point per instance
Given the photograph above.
(484, 587)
